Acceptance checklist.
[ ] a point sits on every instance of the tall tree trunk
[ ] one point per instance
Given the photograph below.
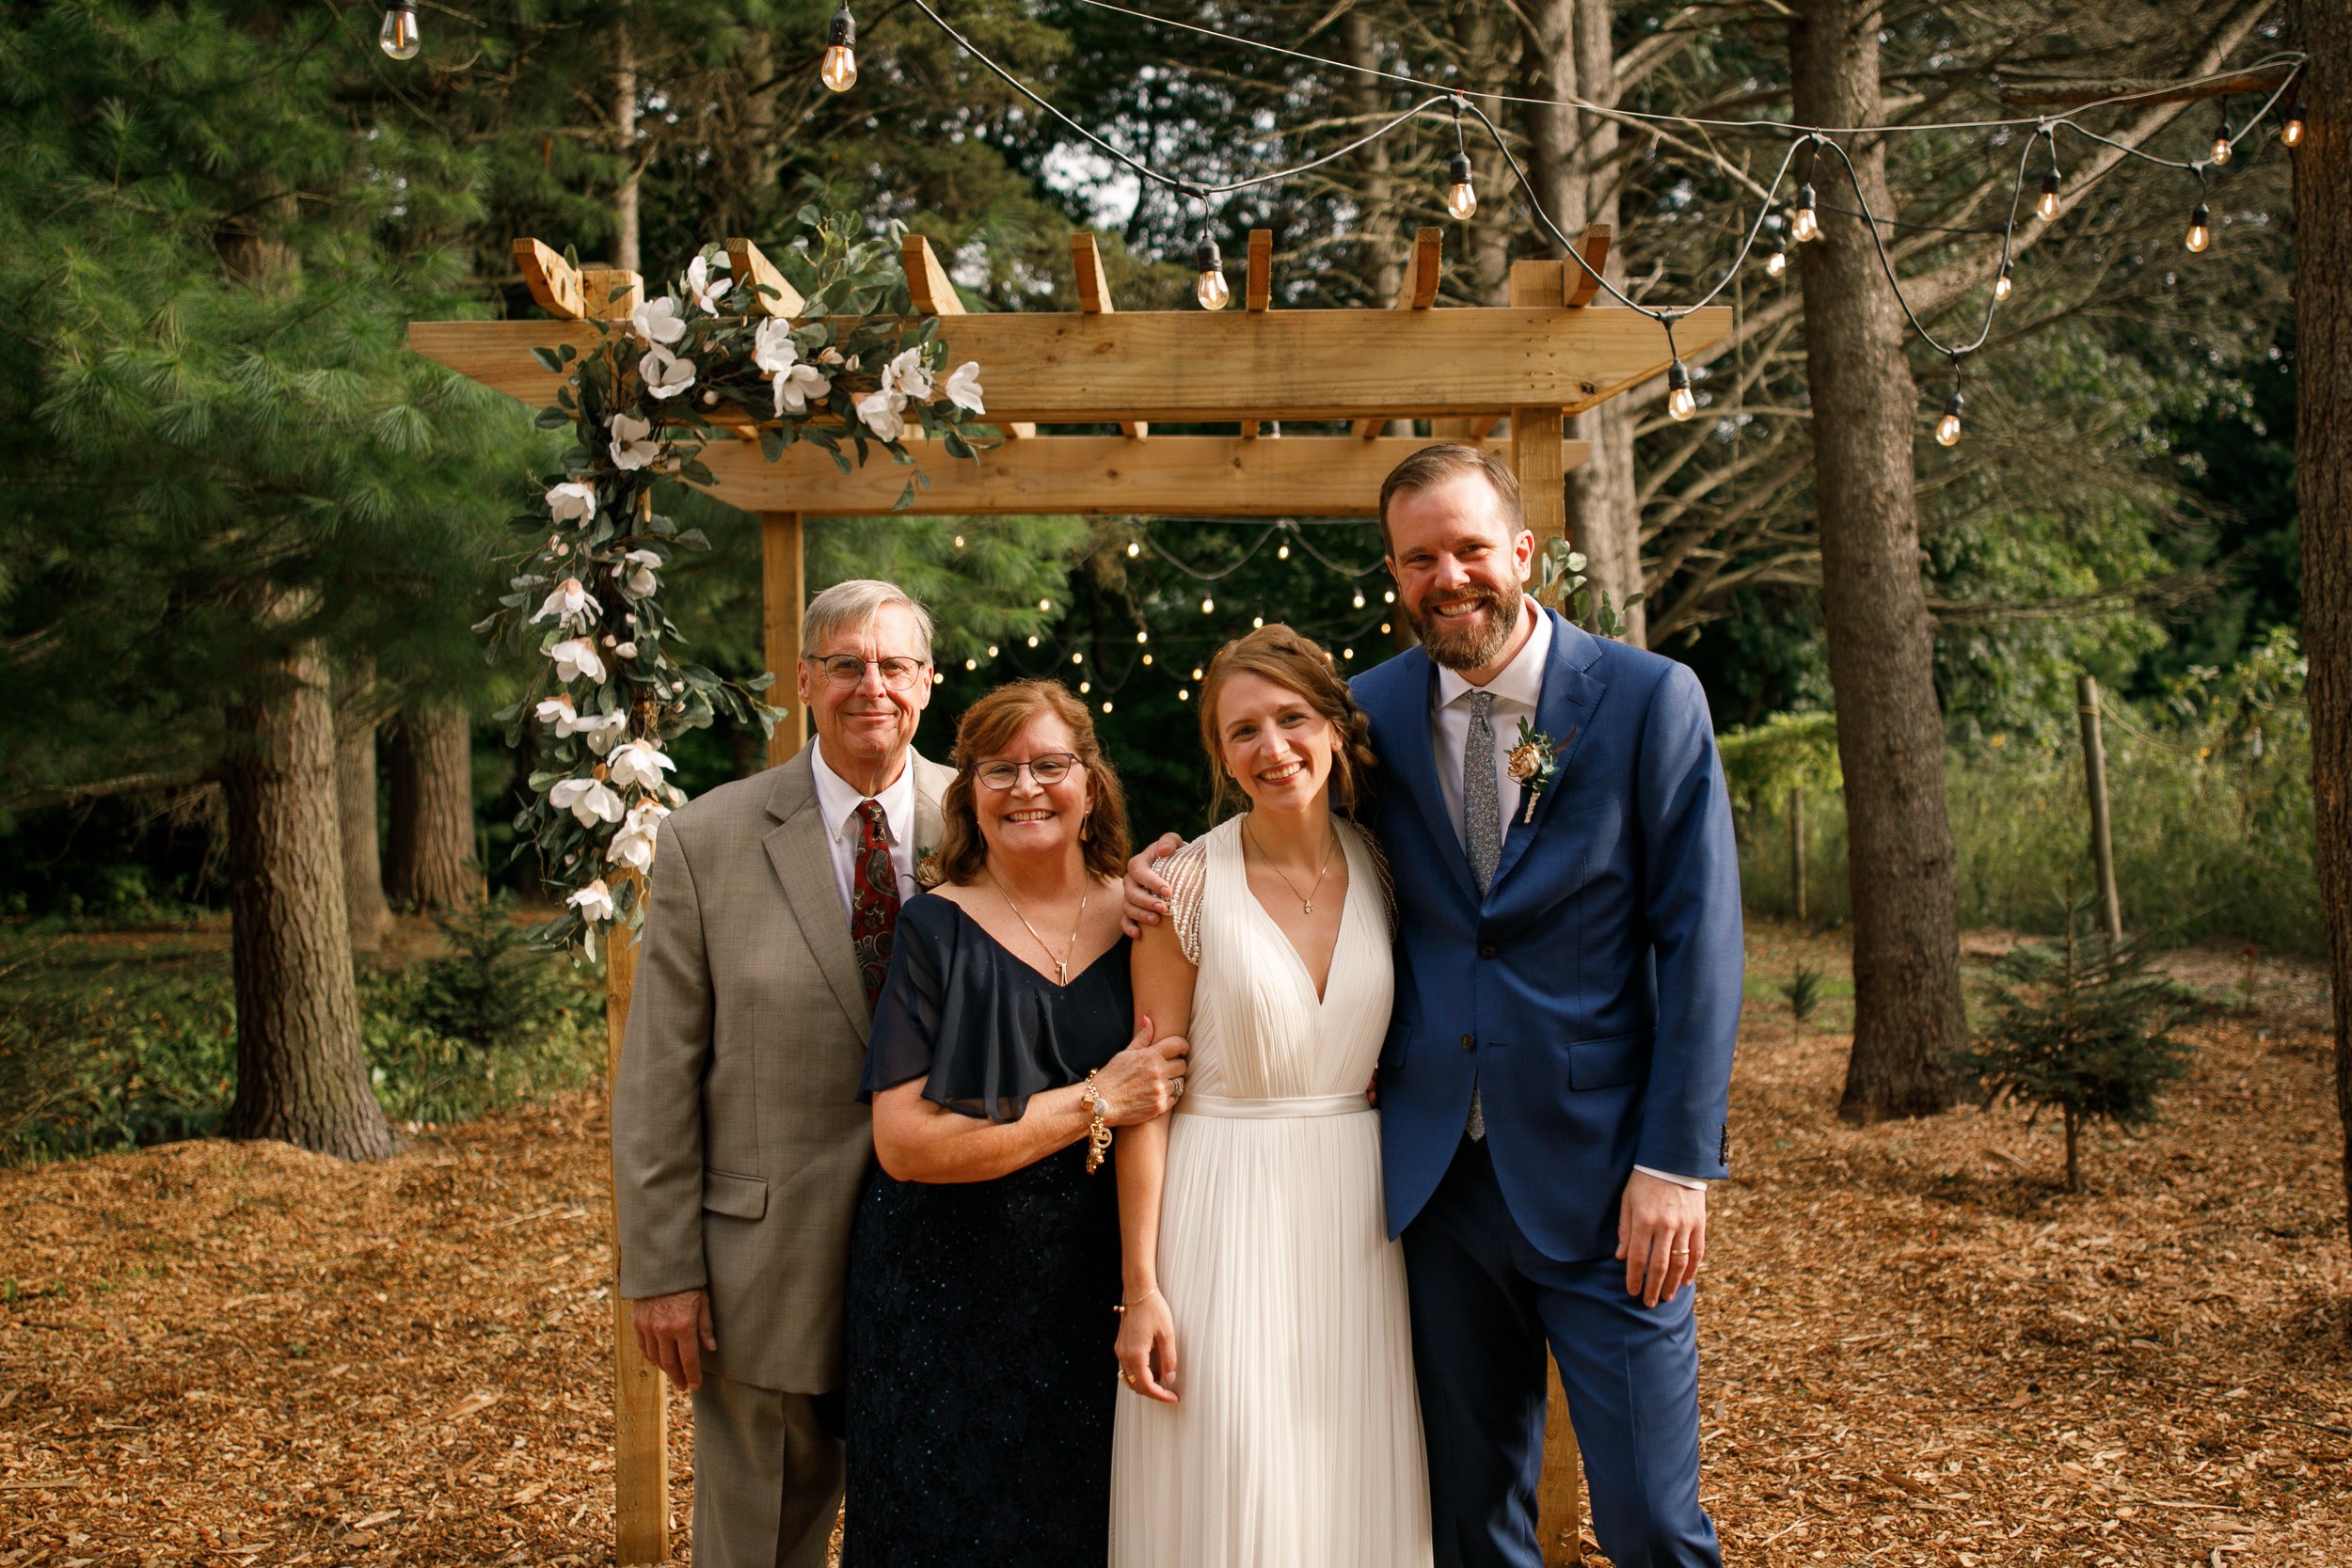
(1383, 267)
(1908, 1013)
(2323, 456)
(355, 716)
(428, 859)
(625, 142)
(301, 1073)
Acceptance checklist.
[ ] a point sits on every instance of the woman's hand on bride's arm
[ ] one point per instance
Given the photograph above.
(1143, 1082)
(1145, 891)
(1147, 1347)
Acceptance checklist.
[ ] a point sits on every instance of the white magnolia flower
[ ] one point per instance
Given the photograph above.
(600, 730)
(639, 763)
(799, 387)
(880, 410)
(572, 503)
(906, 376)
(633, 845)
(594, 902)
(705, 288)
(575, 657)
(641, 581)
(830, 357)
(964, 387)
(656, 321)
(570, 604)
(666, 374)
(589, 801)
(630, 448)
(556, 710)
(772, 348)
(625, 650)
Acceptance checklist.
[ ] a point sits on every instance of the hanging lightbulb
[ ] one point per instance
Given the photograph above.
(1679, 402)
(1032, 639)
(1347, 653)
(2002, 282)
(1184, 694)
(2220, 153)
(399, 37)
(1196, 672)
(1947, 428)
(2046, 204)
(1359, 598)
(1803, 224)
(1085, 686)
(959, 541)
(992, 650)
(1388, 595)
(838, 69)
(2200, 230)
(2292, 132)
(1047, 606)
(1147, 658)
(1078, 657)
(971, 664)
(1282, 552)
(1134, 549)
(1461, 200)
(1106, 706)
(1208, 606)
(1778, 263)
(1143, 637)
(1210, 288)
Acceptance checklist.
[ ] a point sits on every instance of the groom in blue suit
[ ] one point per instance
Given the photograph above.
(1553, 1089)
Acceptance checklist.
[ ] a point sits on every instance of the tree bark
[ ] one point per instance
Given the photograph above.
(364, 906)
(2323, 446)
(625, 226)
(1908, 1013)
(301, 1073)
(428, 859)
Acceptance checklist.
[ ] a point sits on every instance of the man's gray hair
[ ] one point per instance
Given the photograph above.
(851, 605)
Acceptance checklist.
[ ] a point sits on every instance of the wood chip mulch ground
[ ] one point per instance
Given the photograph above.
(1916, 1349)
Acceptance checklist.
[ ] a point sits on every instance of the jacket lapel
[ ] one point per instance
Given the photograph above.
(1410, 754)
(1570, 695)
(930, 784)
(803, 863)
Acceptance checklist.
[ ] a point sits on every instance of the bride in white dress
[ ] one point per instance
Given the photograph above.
(1268, 1418)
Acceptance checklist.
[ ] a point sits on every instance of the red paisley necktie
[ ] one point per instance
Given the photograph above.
(873, 899)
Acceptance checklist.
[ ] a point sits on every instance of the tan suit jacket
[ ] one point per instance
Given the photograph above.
(739, 1145)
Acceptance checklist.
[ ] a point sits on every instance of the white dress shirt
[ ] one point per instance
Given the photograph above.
(1516, 689)
(837, 803)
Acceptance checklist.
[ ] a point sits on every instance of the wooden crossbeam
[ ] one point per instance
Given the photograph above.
(935, 294)
(1061, 368)
(752, 274)
(1224, 476)
(1584, 282)
(1094, 299)
(554, 283)
(1416, 291)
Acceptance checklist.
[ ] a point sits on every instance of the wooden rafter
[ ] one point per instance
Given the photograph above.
(1259, 295)
(763, 288)
(1094, 299)
(935, 294)
(554, 283)
(1416, 291)
(1584, 282)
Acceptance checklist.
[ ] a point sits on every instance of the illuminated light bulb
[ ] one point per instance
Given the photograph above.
(1803, 224)
(1778, 263)
(1389, 597)
(1359, 598)
(839, 69)
(399, 37)
(1147, 658)
(1196, 672)
(1347, 653)
(1032, 639)
(959, 541)
(1256, 622)
(1461, 200)
(2003, 283)
(1143, 637)
(1384, 628)
(2292, 132)
(1210, 288)
(2046, 204)
(2200, 230)
(1184, 694)
(1282, 552)
(1078, 657)
(1085, 686)
(1947, 428)
(1134, 549)
(2220, 153)
(992, 650)
(1208, 606)
(1106, 706)
(971, 664)
(1679, 402)
(1045, 605)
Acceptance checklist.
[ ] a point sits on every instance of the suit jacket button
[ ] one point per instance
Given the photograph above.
(1485, 949)
(1469, 1043)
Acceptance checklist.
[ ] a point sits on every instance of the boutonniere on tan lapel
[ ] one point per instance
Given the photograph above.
(1535, 762)
(927, 872)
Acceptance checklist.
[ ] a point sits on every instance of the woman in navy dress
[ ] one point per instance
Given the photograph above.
(984, 1267)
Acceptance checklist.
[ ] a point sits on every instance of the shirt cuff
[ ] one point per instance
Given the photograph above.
(1690, 1182)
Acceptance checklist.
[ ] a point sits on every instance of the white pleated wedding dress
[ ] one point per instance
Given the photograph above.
(1297, 1443)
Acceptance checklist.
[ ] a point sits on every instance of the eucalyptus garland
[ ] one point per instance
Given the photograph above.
(856, 370)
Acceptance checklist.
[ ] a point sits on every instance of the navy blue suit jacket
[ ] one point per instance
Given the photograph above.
(1594, 991)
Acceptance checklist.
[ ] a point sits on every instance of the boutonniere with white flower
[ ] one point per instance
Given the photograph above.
(927, 868)
(1533, 763)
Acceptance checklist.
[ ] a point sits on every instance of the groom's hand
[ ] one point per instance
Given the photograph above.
(672, 1331)
(1661, 1236)
(1147, 891)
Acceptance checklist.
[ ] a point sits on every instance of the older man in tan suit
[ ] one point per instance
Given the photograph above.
(739, 1145)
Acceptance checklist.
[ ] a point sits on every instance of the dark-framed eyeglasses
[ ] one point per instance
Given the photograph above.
(1048, 770)
(846, 670)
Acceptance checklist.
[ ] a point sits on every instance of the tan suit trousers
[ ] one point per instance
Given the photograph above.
(766, 1478)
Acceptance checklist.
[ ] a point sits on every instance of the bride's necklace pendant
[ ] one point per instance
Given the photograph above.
(1307, 902)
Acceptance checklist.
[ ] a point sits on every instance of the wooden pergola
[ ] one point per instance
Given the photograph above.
(1505, 377)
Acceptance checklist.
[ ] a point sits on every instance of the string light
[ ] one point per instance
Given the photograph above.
(1210, 287)
(1803, 224)
(1947, 428)
(1778, 263)
(1281, 552)
(2221, 148)
(1208, 606)
(1256, 622)
(1461, 200)
(959, 541)
(1107, 704)
(1679, 402)
(992, 650)
(1085, 686)
(1078, 657)
(1347, 653)
(1184, 694)
(1147, 658)
(1032, 639)
(2002, 283)
(1045, 606)
(839, 69)
(1134, 549)
(1196, 672)
(2045, 206)
(1384, 628)
(2200, 230)
(1142, 636)
(2290, 134)
(399, 37)
(1359, 598)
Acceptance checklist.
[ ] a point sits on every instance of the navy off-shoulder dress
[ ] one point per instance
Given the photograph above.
(981, 1386)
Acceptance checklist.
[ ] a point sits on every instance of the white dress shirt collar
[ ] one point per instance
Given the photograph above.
(1521, 682)
(837, 802)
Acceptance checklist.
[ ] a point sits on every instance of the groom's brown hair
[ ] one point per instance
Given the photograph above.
(1433, 466)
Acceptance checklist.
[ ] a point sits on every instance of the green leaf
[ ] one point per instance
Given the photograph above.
(548, 360)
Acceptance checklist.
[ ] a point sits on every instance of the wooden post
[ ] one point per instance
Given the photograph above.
(641, 1436)
(784, 589)
(2095, 777)
(1796, 847)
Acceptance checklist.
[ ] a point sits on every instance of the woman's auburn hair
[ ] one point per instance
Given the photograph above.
(1296, 662)
(987, 728)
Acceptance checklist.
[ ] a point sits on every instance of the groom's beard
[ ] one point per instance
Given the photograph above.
(1469, 642)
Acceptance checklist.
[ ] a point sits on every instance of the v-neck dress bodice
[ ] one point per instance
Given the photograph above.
(1297, 1442)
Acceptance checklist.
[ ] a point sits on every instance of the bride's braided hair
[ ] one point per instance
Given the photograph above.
(1298, 663)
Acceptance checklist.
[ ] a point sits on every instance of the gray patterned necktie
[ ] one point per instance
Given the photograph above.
(1481, 828)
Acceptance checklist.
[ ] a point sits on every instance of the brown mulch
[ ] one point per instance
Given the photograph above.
(1916, 1349)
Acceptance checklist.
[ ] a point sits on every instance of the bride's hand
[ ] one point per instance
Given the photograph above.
(1143, 1082)
(1146, 1348)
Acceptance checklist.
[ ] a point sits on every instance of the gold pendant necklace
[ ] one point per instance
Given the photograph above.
(1307, 903)
(1061, 965)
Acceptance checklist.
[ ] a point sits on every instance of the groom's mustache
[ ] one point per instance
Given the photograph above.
(1467, 642)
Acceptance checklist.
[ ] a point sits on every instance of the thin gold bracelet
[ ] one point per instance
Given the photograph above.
(1121, 1308)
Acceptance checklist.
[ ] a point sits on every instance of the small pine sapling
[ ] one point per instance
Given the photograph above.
(1803, 991)
(2079, 1025)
